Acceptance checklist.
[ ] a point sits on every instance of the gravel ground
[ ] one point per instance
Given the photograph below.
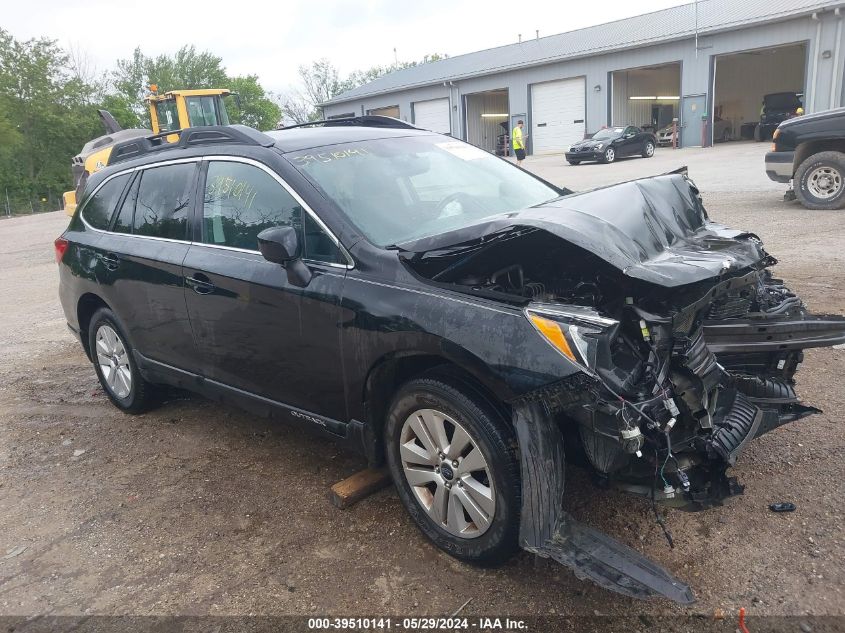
(198, 509)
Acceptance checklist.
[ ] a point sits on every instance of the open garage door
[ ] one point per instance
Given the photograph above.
(386, 111)
(648, 97)
(744, 79)
(487, 120)
(432, 115)
(557, 115)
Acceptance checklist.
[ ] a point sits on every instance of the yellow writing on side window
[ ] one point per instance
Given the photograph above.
(221, 188)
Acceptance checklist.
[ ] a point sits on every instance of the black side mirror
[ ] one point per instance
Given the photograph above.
(280, 245)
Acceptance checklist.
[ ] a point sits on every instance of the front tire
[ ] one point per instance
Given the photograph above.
(609, 155)
(574, 162)
(454, 461)
(115, 364)
(648, 149)
(820, 181)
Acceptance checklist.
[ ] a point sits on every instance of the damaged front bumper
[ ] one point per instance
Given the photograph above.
(664, 407)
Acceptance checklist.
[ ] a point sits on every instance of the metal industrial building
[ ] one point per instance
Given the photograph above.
(705, 62)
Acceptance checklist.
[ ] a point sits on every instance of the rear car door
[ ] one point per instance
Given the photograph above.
(256, 331)
(140, 267)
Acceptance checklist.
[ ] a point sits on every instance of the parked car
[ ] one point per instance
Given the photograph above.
(722, 131)
(777, 108)
(810, 151)
(664, 135)
(438, 309)
(611, 143)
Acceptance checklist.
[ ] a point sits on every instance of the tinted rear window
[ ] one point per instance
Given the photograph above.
(99, 208)
(163, 202)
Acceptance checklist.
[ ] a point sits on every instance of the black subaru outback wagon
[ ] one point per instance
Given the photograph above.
(440, 309)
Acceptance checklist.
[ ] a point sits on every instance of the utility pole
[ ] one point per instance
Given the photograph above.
(8, 206)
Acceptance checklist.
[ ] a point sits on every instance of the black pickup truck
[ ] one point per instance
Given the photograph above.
(810, 151)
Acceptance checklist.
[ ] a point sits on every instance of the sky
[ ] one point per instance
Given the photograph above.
(272, 39)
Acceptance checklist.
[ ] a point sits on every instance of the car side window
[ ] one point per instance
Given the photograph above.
(242, 200)
(98, 210)
(124, 216)
(163, 201)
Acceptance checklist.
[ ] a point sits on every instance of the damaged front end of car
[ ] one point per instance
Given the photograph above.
(686, 347)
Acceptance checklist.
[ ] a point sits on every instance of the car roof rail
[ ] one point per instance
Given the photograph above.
(365, 120)
(189, 137)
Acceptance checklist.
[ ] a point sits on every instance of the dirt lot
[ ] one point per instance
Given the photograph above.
(199, 509)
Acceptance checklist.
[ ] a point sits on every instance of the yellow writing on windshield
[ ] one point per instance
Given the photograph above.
(328, 157)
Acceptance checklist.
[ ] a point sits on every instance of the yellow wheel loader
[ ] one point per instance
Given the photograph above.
(171, 111)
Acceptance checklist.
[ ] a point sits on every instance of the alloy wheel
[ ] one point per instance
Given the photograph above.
(649, 149)
(447, 473)
(113, 361)
(824, 182)
(610, 155)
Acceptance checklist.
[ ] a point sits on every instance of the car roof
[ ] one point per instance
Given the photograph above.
(301, 138)
(283, 141)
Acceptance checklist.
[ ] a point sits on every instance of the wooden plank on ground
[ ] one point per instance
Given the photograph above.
(361, 484)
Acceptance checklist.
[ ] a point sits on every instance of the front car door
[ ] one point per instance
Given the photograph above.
(257, 332)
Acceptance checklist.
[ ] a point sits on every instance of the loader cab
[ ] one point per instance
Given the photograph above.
(171, 111)
(180, 109)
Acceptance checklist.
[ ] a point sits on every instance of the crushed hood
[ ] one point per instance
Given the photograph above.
(654, 229)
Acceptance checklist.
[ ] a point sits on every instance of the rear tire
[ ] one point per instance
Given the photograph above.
(115, 364)
(820, 181)
(485, 470)
(648, 149)
(574, 162)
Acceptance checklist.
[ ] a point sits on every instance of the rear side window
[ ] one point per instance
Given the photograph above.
(99, 208)
(241, 201)
(123, 218)
(163, 201)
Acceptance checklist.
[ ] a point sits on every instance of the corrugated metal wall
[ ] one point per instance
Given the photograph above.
(483, 131)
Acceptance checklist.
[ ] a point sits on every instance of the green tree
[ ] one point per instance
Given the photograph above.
(44, 113)
(254, 107)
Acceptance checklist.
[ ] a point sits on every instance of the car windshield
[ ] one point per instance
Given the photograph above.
(611, 132)
(399, 189)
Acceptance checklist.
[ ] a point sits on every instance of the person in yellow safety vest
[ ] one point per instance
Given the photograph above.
(518, 139)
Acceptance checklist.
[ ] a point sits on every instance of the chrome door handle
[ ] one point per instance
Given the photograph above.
(200, 286)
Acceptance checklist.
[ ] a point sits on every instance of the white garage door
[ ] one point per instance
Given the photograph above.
(557, 115)
(432, 115)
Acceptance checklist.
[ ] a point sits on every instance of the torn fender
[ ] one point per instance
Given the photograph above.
(549, 531)
(654, 229)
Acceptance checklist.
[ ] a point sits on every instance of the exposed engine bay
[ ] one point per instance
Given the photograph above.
(687, 344)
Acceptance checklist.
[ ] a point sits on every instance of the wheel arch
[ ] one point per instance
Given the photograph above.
(396, 368)
(87, 305)
(808, 148)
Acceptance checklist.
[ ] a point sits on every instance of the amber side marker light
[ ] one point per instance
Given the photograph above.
(775, 138)
(553, 334)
